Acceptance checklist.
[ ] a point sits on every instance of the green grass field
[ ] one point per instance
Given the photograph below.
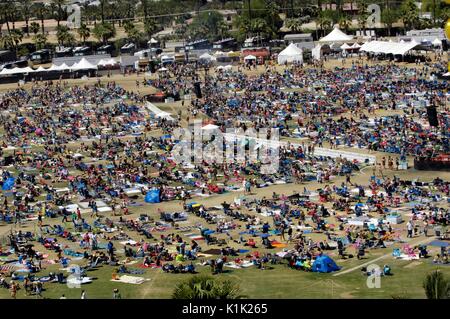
(279, 282)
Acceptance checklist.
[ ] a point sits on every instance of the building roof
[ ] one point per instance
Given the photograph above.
(297, 36)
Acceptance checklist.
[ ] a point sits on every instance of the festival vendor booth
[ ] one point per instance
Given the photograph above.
(250, 59)
(437, 163)
(336, 36)
(206, 58)
(292, 54)
(258, 55)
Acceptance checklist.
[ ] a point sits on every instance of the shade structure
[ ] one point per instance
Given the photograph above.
(317, 52)
(153, 41)
(207, 57)
(290, 54)
(163, 69)
(250, 57)
(40, 69)
(233, 54)
(83, 64)
(16, 70)
(336, 36)
(355, 46)
(210, 127)
(437, 43)
(106, 62)
(384, 47)
(345, 46)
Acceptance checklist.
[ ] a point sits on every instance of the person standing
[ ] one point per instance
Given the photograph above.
(13, 290)
(425, 228)
(116, 294)
(410, 227)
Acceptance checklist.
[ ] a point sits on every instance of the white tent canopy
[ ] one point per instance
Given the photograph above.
(105, 62)
(437, 43)
(210, 127)
(316, 52)
(83, 65)
(40, 69)
(355, 46)
(207, 57)
(290, 54)
(395, 48)
(250, 57)
(153, 41)
(345, 46)
(158, 112)
(336, 36)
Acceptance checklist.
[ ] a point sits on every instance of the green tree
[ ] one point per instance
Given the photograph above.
(436, 286)
(206, 25)
(389, 17)
(362, 15)
(150, 26)
(324, 24)
(6, 41)
(345, 22)
(26, 10)
(34, 27)
(84, 32)
(266, 10)
(64, 36)
(133, 33)
(60, 5)
(16, 37)
(40, 40)
(41, 10)
(104, 31)
(410, 14)
(294, 24)
(206, 287)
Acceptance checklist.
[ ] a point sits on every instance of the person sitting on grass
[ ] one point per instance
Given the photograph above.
(387, 270)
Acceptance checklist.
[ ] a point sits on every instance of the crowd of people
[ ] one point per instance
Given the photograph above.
(79, 161)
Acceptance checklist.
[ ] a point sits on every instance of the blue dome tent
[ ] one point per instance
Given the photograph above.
(152, 196)
(324, 264)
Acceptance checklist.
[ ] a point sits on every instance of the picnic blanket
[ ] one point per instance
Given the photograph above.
(235, 265)
(130, 280)
(79, 281)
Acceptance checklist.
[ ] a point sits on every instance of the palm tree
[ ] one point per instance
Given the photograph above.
(206, 287)
(295, 25)
(6, 41)
(436, 286)
(59, 4)
(40, 40)
(34, 27)
(16, 37)
(84, 32)
(41, 11)
(63, 35)
(4, 11)
(388, 17)
(104, 31)
(150, 26)
(26, 6)
(410, 14)
(362, 15)
(345, 22)
(324, 23)
(132, 32)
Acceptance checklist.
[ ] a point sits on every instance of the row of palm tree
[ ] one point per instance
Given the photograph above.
(142, 18)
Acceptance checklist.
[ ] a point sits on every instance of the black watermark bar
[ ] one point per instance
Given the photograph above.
(199, 309)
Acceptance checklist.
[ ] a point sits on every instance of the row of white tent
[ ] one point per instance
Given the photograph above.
(387, 47)
(83, 64)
